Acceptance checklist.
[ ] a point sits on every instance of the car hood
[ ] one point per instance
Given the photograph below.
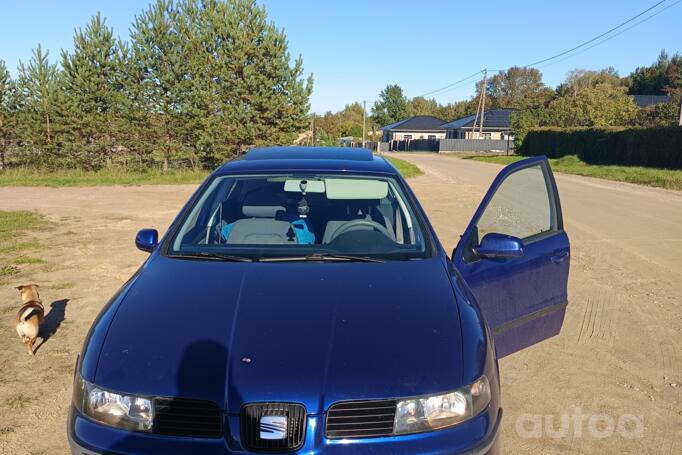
(312, 333)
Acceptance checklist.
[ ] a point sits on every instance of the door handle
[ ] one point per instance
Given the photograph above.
(560, 256)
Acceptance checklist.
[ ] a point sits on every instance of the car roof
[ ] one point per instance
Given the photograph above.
(334, 159)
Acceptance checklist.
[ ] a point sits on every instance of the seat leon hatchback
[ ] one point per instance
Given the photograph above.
(301, 301)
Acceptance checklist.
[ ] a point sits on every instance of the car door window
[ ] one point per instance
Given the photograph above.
(520, 207)
(523, 298)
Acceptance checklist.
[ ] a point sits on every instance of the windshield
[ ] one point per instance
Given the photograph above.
(270, 216)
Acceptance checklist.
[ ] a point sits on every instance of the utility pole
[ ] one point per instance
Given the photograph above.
(480, 108)
(680, 122)
(364, 119)
(484, 89)
(312, 130)
(473, 127)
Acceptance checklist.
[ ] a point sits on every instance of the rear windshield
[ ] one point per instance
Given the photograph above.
(284, 215)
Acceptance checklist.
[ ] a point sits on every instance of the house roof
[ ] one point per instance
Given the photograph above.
(426, 123)
(492, 119)
(650, 100)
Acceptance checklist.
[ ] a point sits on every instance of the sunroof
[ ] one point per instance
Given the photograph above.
(310, 153)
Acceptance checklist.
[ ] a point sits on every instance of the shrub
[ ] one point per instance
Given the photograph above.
(659, 147)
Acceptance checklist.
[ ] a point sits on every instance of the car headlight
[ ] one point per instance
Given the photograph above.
(432, 412)
(119, 410)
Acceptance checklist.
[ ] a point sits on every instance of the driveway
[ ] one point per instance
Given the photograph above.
(611, 382)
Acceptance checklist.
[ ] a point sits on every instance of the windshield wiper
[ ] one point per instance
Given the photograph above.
(214, 256)
(321, 257)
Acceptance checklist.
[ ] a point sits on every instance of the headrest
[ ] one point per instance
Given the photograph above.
(261, 211)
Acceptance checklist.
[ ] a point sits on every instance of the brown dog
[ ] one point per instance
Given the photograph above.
(30, 315)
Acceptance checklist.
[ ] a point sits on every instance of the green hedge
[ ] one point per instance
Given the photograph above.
(651, 147)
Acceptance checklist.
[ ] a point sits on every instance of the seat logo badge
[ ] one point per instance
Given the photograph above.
(273, 427)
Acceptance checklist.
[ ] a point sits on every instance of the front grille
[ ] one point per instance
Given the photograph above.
(181, 417)
(361, 419)
(250, 423)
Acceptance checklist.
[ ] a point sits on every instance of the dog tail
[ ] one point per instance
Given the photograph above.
(27, 312)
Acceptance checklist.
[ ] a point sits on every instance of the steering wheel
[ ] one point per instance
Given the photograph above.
(360, 222)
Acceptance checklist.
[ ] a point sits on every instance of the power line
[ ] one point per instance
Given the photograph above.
(612, 36)
(598, 36)
(459, 85)
(455, 84)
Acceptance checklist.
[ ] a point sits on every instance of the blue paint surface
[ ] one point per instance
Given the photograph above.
(318, 333)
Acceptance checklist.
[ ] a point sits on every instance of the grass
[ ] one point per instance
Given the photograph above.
(36, 177)
(11, 223)
(14, 247)
(8, 270)
(407, 169)
(19, 401)
(28, 260)
(662, 178)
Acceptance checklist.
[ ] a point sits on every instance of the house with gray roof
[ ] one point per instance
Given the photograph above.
(496, 125)
(418, 127)
(643, 101)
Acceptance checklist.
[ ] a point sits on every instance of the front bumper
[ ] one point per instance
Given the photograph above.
(478, 436)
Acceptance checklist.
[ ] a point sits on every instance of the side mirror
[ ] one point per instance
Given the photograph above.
(499, 246)
(147, 240)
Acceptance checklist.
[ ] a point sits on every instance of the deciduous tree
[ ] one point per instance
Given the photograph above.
(458, 109)
(517, 87)
(598, 106)
(422, 106)
(579, 79)
(391, 107)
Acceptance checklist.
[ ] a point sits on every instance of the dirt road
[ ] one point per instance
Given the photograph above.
(611, 382)
(619, 355)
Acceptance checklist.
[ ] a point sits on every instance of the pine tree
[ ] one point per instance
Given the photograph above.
(199, 81)
(92, 86)
(7, 112)
(241, 86)
(157, 56)
(135, 129)
(269, 96)
(38, 89)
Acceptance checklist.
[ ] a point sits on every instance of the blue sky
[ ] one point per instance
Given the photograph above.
(354, 48)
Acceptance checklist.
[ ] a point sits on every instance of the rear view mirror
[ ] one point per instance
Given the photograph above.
(147, 240)
(499, 246)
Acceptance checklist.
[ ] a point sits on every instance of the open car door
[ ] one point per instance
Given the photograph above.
(515, 256)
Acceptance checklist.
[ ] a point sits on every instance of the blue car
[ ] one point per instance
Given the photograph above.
(301, 301)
